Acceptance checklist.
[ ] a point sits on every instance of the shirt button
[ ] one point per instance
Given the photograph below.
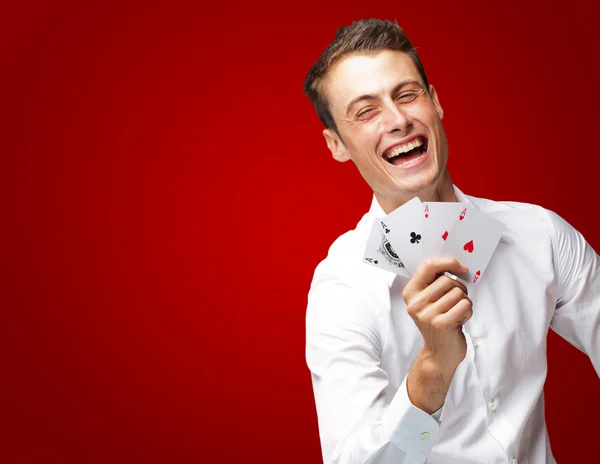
(425, 435)
(492, 406)
(475, 342)
(513, 461)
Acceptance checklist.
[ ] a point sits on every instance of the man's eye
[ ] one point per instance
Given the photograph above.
(364, 113)
(407, 96)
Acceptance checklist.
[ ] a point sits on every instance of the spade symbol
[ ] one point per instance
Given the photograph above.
(414, 237)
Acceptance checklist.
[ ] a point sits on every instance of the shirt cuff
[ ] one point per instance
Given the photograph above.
(408, 427)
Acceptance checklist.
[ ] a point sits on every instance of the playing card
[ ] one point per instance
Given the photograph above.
(380, 253)
(403, 227)
(473, 240)
(438, 220)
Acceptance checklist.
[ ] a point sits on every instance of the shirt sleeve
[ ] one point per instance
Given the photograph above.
(577, 314)
(358, 422)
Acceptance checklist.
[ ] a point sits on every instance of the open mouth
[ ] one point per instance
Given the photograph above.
(406, 152)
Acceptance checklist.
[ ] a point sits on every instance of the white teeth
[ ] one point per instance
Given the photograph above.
(404, 148)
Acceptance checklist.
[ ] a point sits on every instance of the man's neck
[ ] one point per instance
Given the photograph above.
(442, 190)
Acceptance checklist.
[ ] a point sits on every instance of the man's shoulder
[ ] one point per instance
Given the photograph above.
(344, 260)
(344, 286)
(517, 216)
(517, 207)
(344, 255)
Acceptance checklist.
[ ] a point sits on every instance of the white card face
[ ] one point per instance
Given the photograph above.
(403, 227)
(438, 220)
(473, 240)
(379, 252)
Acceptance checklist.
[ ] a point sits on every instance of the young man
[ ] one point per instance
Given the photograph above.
(414, 370)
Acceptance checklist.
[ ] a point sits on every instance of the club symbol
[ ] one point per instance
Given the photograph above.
(414, 237)
(385, 228)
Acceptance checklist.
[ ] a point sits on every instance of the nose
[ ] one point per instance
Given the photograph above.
(394, 119)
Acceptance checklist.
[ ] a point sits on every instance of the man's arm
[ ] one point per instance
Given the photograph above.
(577, 314)
(357, 422)
(439, 307)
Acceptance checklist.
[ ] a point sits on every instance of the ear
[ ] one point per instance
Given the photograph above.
(336, 146)
(436, 101)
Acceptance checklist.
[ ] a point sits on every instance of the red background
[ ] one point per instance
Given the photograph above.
(168, 194)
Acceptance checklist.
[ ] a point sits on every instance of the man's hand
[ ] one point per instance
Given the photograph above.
(439, 307)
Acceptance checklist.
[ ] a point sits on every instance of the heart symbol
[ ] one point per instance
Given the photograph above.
(469, 246)
(477, 276)
(445, 236)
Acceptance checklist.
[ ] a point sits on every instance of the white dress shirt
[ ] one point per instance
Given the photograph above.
(361, 343)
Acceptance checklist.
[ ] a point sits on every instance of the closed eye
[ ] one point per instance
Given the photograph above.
(407, 96)
(365, 112)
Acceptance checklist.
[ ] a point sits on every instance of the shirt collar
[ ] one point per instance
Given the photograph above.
(462, 198)
(377, 211)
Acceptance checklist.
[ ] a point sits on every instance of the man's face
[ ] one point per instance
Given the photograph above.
(389, 125)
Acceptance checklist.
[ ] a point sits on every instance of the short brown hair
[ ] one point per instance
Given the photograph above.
(361, 36)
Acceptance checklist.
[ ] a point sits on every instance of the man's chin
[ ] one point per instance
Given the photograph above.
(417, 181)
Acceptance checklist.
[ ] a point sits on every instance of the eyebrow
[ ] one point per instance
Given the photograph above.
(360, 98)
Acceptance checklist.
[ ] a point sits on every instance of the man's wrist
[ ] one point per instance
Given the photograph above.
(428, 382)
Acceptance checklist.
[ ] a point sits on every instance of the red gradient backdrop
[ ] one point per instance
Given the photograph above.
(168, 194)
